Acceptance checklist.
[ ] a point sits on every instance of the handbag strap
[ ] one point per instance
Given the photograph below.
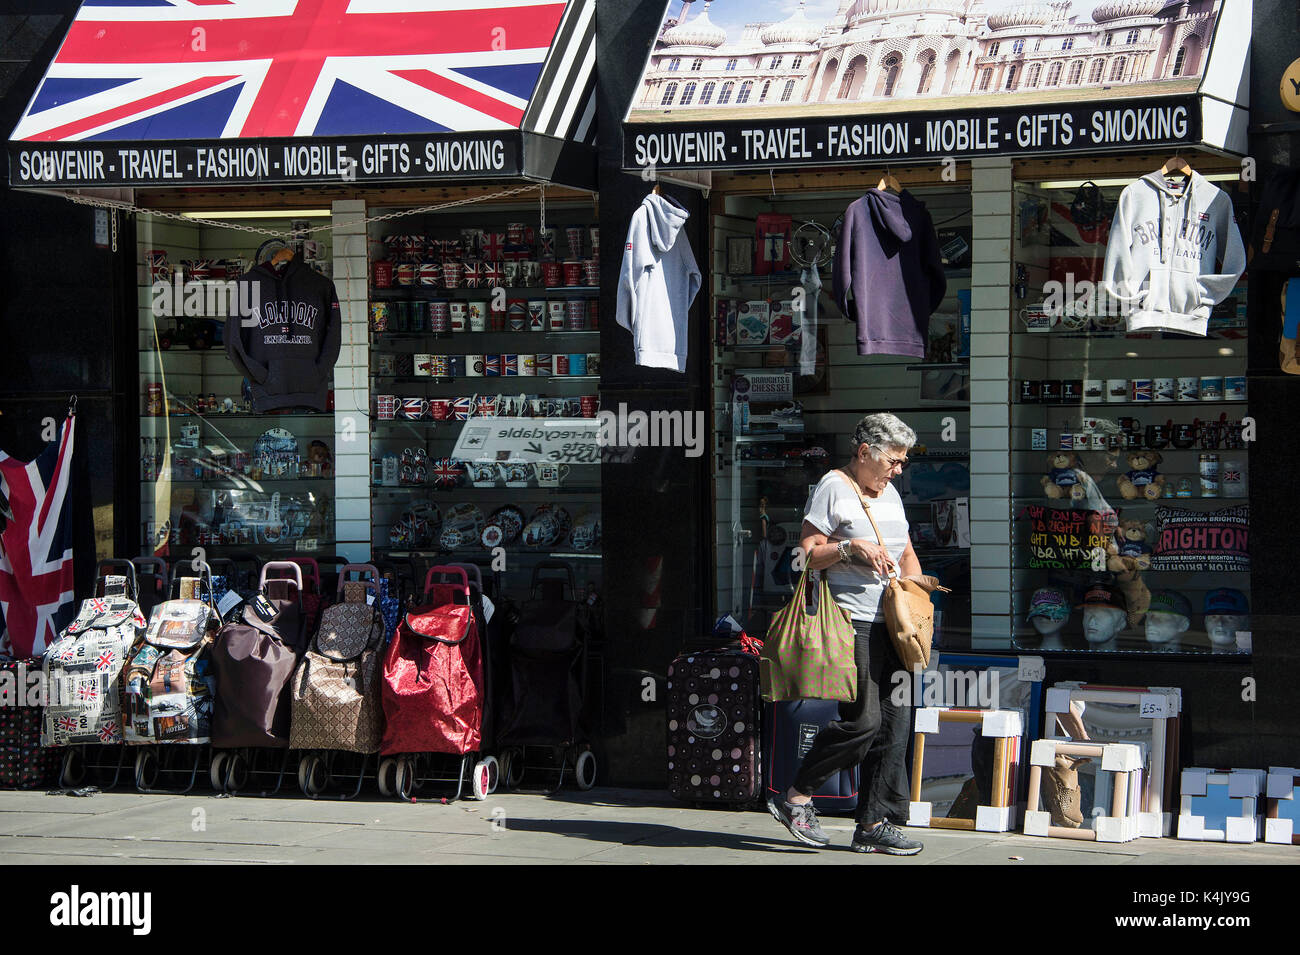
(866, 509)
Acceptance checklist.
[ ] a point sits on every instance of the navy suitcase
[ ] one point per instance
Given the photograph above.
(792, 726)
(713, 732)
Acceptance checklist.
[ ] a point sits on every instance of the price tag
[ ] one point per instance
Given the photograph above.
(1031, 669)
(370, 599)
(307, 543)
(1153, 706)
(228, 602)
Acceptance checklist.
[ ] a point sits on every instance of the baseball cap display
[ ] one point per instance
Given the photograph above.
(1226, 600)
(1050, 602)
(1170, 601)
(1100, 595)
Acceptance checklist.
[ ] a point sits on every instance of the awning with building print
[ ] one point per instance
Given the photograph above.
(770, 84)
(221, 92)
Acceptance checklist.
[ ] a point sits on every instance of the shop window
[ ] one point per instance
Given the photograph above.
(1054, 74)
(674, 64)
(812, 397)
(725, 96)
(706, 95)
(688, 94)
(746, 88)
(1130, 471)
(1011, 77)
(762, 96)
(1180, 61)
(986, 78)
(696, 65)
(788, 91)
(1096, 71)
(670, 93)
(1117, 69)
(223, 466)
(1034, 75)
(1076, 73)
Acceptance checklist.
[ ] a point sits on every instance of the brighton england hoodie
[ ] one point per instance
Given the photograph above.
(287, 347)
(888, 258)
(1174, 253)
(657, 283)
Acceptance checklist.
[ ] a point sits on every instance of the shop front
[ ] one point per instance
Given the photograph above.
(1081, 479)
(366, 310)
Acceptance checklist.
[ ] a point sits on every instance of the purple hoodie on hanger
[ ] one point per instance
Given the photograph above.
(888, 259)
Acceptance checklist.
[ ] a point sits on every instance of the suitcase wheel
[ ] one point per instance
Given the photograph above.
(217, 772)
(73, 772)
(584, 770)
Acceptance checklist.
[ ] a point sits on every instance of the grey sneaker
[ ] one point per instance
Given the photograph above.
(800, 820)
(887, 838)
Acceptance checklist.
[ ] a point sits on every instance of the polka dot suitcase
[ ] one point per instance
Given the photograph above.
(713, 727)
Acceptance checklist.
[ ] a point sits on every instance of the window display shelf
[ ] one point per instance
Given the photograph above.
(237, 415)
(382, 339)
(235, 481)
(448, 380)
(940, 366)
(402, 491)
(1132, 404)
(432, 291)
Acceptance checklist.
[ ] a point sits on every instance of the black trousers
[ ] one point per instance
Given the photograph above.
(871, 732)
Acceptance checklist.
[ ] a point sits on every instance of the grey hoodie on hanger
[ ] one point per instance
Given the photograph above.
(1174, 253)
(657, 283)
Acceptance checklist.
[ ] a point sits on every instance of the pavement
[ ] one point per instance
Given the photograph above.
(603, 826)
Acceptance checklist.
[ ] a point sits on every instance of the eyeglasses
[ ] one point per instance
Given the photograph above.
(899, 463)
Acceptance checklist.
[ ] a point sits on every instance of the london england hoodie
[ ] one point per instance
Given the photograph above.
(888, 257)
(287, 347)
(657, 283)
(1174, 253)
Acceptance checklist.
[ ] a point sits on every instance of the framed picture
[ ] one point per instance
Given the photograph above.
(1281, 815)
(1221, 805)
(964, 765)
(740, 255)
(1146, 715)
(1105, 812)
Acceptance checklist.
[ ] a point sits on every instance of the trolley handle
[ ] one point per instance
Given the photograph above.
(205, 575)
(474, 571)
(554, 565)
(157, 566)
(447, 570)
(369, 573)
(294, 576)
(110, 563)
(313, 572)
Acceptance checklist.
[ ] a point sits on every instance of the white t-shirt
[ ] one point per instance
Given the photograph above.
(834, 509)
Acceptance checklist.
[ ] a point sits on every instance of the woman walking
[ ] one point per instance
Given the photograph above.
(837, 538)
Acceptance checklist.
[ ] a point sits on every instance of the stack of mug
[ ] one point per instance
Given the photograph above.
(397, 408)
(519, 257)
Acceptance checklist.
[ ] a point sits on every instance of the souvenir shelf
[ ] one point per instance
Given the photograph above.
(514, 336)
(213, 473)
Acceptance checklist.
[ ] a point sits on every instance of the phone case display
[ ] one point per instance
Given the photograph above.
(1221, 805)
(495, 320)
(790, 386)
(1057, 805)
(1281, 825)
(964, 768)
(1129, 447)
(1149, 716)
(214, 472)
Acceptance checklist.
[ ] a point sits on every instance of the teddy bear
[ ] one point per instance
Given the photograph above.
(320, 459)
(1064, 477)
(1143, 479)
(1128, 549)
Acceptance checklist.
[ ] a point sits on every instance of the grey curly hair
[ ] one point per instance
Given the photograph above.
(882, 430)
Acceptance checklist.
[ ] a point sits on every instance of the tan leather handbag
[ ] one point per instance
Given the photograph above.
(909, 614)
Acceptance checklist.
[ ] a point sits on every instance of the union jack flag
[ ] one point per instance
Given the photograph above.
(68, 652)
(104, 660)
(36, 547)
(200, 69)
(88, 692)
(108, 731)
(67, 723)
(494, 245)
(447, 472)
(97, 606)
(492, 274)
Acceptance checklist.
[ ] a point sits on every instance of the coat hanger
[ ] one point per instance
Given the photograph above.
(889, 183)
(284, 255)
(1176, 164)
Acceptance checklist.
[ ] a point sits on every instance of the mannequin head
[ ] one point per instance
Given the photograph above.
(1049, 612)
(1167, 619)
(1100, 624)
(1105, 612)
(1222, 629)
(1226, 612)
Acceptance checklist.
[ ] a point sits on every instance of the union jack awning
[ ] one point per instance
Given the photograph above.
(234, 87)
